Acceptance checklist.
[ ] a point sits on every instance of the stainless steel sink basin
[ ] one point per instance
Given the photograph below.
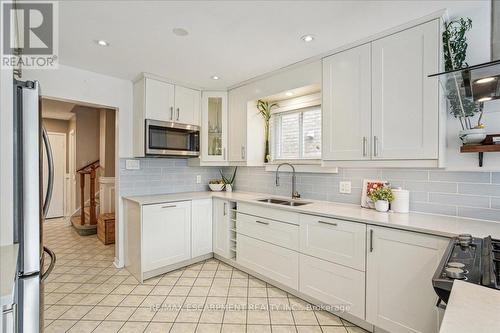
(295, 203)
(272, 200)
(284, 202)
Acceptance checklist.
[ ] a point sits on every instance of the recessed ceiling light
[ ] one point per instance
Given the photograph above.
(485, 80)
(485, 99)
(180, 32)
(102, 42)
(214, 77)
(289, 93)
(307, 38)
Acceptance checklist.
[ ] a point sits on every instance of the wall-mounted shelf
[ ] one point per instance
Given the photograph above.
(481, 149)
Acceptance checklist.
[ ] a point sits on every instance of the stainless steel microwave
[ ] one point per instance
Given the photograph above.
(166, 138)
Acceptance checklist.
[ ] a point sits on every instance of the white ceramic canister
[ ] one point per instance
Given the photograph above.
(401, 203)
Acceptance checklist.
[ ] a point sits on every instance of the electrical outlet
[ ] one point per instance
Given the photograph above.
(345, 187)
(132, 164)
(198, 179)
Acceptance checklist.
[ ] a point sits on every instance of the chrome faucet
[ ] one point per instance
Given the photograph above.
(295, 194)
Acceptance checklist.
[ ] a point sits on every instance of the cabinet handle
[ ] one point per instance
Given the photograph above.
(364, 146)
(171, 113)
(224, 153)
(330, 223)
(242, 152)
(177, 113)
(262, 222)
(225, 209)
(169, 206)
(371, 240)
(375, 144)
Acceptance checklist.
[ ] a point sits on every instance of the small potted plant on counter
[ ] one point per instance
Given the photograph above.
(382, 196)
(228, 182)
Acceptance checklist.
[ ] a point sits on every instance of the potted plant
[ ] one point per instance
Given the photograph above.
(461, 107)
(228, 182)
(382, 196)
(265, 111)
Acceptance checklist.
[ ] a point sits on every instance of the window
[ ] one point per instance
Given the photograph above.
(296, 134)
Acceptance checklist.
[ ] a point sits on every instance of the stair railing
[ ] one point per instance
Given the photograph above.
(89, 169)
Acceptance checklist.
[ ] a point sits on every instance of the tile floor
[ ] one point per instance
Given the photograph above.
(87, 293)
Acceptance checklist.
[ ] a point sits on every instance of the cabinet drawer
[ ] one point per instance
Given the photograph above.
(270, 213)
(279, 233)
(274, 262)
(333, 284)
(338, 241)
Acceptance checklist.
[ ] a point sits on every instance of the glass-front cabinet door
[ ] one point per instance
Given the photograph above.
(214, 126)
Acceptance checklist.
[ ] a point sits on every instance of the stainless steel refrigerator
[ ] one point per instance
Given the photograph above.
(30, 205)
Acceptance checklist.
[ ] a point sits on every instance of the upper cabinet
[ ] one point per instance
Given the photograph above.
(158, 99)
(347, 105)
(214, 126)
(379, 104)
(405, 103)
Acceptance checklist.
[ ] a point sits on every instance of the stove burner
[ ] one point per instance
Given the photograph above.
(455, 273)
(456, 265)
(465, 240)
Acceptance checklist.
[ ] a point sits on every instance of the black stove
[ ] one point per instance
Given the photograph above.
(471, 259)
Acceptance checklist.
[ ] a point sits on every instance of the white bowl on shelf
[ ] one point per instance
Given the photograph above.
(216, 187)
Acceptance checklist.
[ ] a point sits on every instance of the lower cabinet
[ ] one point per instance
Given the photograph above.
(399, 292)
(221, 231)
(166, 234)
(201, 225)
(274, 262)
(332, 284)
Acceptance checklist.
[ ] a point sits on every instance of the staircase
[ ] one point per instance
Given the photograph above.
(85, 220)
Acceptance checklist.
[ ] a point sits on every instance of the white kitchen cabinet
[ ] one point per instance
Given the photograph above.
(405, 102)
(237, 127)
(333, 284)
(214, 126)
(221, 230)
(201, 227)
(272, 261)
(337, 241)
(159, 100)
(166, 234)
(187, 105)
(399, 292)
(347, 105)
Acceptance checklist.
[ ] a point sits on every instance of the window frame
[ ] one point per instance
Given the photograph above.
(276, 133)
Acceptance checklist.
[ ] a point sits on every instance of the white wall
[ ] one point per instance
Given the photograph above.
(6, 185)
(73, 84)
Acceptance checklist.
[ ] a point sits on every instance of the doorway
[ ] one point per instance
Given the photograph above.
(58, 147)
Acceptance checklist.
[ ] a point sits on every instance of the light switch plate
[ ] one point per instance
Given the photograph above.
(345, 187)
(132, 164)
(198, 179)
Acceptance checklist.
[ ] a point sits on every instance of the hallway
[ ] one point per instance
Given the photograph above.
(87, 293)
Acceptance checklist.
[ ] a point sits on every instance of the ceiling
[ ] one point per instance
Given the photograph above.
(235, 40)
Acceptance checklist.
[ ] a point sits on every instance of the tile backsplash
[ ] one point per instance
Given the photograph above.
(466, 194)
(164, 175)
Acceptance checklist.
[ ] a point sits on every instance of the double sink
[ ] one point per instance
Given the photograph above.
(284, 202)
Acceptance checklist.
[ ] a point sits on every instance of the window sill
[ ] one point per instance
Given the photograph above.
(303, 166)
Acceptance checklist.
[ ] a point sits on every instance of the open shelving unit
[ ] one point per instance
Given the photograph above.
(480, 149)
(233, 209)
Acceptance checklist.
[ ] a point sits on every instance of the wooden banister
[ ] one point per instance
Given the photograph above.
(89, 169)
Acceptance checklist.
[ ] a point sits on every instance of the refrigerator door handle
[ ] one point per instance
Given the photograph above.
(50, 180)
(52, 256)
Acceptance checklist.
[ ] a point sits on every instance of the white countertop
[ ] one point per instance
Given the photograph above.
(8, 269)
(471, 309)
(427, 223)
